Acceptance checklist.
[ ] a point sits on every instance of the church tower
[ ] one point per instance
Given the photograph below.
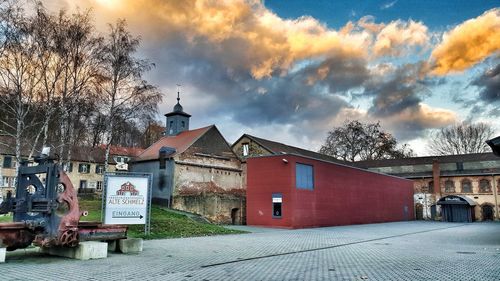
(177, 120)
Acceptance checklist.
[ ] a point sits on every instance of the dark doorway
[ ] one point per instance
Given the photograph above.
(419, 211)
(235, 216)
(457, 208)
(433, 212)
(487, 211)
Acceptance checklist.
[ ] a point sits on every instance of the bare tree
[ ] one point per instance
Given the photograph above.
(124, 94)
(461, 138)
(19, 73)
(355, 141)
(81, 48)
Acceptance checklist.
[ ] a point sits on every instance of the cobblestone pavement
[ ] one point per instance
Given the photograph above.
(389, 251)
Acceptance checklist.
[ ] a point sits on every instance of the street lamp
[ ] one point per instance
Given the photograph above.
(495, 145)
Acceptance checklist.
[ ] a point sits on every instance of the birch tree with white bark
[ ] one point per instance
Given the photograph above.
(19, 74)
(124, 94)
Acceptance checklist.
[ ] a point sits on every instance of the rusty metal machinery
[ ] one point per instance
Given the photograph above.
(46, 211)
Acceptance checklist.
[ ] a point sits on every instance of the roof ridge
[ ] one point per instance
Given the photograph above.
(290, 145)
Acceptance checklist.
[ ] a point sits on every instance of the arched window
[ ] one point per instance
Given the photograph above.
(466, 186)
(484, 186)
(449, 186)
(430, 187)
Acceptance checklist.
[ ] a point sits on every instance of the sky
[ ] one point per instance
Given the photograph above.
(290, 71)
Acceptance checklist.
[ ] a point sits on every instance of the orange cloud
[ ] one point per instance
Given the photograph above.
(467, 44)
(427, 116)
(267, 43)
(259, 40)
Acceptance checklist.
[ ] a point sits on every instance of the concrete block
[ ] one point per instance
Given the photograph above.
(130, 245)
(84, 251)
(3, 253)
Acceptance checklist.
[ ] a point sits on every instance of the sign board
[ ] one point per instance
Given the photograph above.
(127, 198)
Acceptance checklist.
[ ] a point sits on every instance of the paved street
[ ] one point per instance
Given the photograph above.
(389, 251)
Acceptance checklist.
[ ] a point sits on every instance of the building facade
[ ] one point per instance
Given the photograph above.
(475, 177)
(194, 171)
(85, 170)
(294, 191)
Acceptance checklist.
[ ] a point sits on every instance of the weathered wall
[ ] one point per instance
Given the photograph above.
(254, 149)
(218, 208)
(341, 196)
(208, 180)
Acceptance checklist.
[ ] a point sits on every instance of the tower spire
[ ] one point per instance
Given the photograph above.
(178, 93)
(177, 120)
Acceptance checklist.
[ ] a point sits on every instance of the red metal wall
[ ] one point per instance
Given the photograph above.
(341, 196)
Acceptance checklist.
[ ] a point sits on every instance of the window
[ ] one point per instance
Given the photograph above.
(183, 124)
(83, 186)
(99, 186)
(466, 186)
(163, 160)
(99, 169)
(7, 162)
(449, 186)
(68, 167)
(460, 166)
(244, 148)
(7, 182)
(484, 186)
(304, 176)
(84, 168)
(277, 201)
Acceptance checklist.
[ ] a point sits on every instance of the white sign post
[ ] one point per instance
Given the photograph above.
(127, 199)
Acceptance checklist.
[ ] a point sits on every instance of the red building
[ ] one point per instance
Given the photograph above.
(294, 191)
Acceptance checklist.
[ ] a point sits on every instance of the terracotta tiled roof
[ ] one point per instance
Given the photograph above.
(180, 142)
(278, 148)
(474, 157)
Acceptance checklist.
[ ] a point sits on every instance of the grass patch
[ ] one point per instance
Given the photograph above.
(6, 218)
(164, 223)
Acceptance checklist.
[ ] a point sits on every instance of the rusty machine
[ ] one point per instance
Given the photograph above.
(46, 211)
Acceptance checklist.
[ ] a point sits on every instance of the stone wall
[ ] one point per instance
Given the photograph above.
(218, 208)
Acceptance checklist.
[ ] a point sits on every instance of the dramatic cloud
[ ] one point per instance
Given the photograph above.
(411, 122)
(266, 44)
(489, 83)
(248, 70)
(396, 89)
(468, 43)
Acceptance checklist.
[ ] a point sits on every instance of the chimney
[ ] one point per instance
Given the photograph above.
(435, 177)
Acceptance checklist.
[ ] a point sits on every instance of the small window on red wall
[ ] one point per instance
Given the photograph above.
(304, 176)
(277, 204)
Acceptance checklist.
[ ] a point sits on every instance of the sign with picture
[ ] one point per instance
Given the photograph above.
(127, 198)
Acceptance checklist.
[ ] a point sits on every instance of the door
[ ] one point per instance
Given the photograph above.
(487, 211)
(419, 211)
(235, 216)
(433, 212)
